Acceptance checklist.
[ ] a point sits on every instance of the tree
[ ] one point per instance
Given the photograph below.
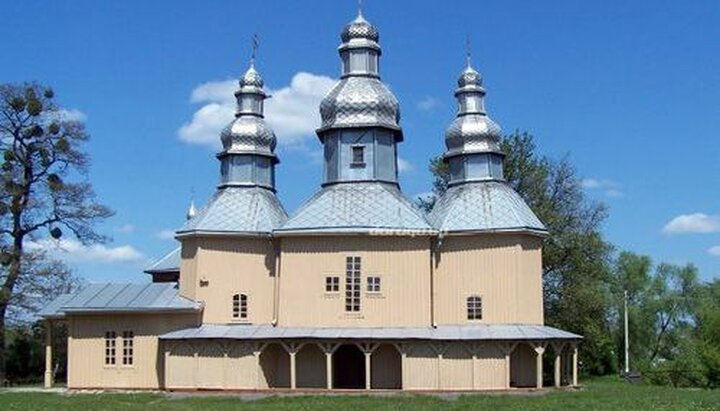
(44, 185)
(575, 257)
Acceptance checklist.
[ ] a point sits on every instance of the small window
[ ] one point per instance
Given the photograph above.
(110, 341)
(128, 347)
(373, 284)
(332, 284)
(240, 306)
(358, 155)
(474, 307)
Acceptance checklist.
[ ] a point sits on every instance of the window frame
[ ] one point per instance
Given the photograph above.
(240, 303)
(332, 284)
(128, 348)
(474, 307)
(354, 150)
(353, 285)
(110, 349)
(373, 284)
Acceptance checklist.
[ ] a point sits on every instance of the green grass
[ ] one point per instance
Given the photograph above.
(599, 394)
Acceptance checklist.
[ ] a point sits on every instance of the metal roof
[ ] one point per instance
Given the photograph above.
(170, 262)
(443, 332)
(483, 206)
(357, 207)
(103, 298)
(248, 210)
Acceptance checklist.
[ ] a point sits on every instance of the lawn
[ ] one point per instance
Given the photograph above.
(598, 394)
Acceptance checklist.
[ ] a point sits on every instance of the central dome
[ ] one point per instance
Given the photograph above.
(360, 102)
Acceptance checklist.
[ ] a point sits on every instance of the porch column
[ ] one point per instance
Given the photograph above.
(368, 349)
(558, 349)
(293, 375)
(539, 351)
(507, 349)
(575, 365)
(329, 349)
(48, 354)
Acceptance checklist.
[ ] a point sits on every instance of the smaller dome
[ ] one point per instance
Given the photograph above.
(251, 78)
(359, 29)
(469, 77)
(248, 134)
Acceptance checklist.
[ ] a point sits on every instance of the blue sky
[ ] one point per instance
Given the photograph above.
(629, 90)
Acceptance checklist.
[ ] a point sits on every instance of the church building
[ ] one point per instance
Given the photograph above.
(357, 289)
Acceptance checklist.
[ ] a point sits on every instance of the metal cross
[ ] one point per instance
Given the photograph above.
(255, 46)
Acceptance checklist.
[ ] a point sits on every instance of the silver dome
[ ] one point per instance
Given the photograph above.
(360, 102)
(248, 134)
(251, 78)
(359, 29)
(472, 131)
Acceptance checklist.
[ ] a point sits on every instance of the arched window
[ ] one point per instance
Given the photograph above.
(474, 307)
(240, 306)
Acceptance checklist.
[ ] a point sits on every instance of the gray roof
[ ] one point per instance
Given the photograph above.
(357, 207)
(246, 210)
(104, 298)
(443, 332)
(483, 206)
(170, 262)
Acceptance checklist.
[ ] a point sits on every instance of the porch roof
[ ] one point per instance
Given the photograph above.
(495, 332)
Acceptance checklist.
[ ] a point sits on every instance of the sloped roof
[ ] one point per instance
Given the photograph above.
(496, 332)
(357, 207)
(248, 210)
(483, 206)
(108, 297)
(170, 262)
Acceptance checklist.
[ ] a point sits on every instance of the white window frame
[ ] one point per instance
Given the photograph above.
(353, 285)
(110, 348)
(128, 348)
(240, 306)
(474, 307)
(374, 284)
(332, 284)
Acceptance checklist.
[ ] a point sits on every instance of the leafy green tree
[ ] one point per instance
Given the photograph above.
(44, 189)
(575, 257)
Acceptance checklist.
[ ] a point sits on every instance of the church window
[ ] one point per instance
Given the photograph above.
(358, 155)
(128, 340)
(240, 306)
(110, 342)
(474, 307)
(332, 284)
(352, 284)
(373, 284)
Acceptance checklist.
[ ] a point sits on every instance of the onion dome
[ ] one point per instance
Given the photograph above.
(472, 131)
(359, 29)
(249, 133)
(192, 211)
(360, 99)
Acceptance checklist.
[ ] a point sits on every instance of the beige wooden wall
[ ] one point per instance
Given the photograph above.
(403, 263)
(213, 269)
(86, 349)
(504, 269)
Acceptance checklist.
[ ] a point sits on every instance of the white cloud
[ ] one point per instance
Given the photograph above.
(428, 103)
(693, 223)
(125, 229)
(404, 166)
(608, 187)
(714, 251)
(167, 234)
(292, 111)
(72, 114)
(73, 251)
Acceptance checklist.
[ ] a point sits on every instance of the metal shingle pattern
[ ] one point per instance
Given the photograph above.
(169, 262)
(357, 207)
(239, 209)
(483, 206)
(120, 297)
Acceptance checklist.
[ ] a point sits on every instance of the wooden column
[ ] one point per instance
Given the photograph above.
(48, 354)
(539, 351)
(507, 349)
(558, 349)
(368, 349)
(329, 349)
(293, 371)
(575, 365)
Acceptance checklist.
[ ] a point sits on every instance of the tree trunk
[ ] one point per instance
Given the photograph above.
(3, 310)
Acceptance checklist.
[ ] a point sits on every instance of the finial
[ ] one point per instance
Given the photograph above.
(255, 45)
(360, 8)
(468, 54)
(192, 211)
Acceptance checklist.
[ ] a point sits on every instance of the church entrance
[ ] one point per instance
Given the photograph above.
(348, 368)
